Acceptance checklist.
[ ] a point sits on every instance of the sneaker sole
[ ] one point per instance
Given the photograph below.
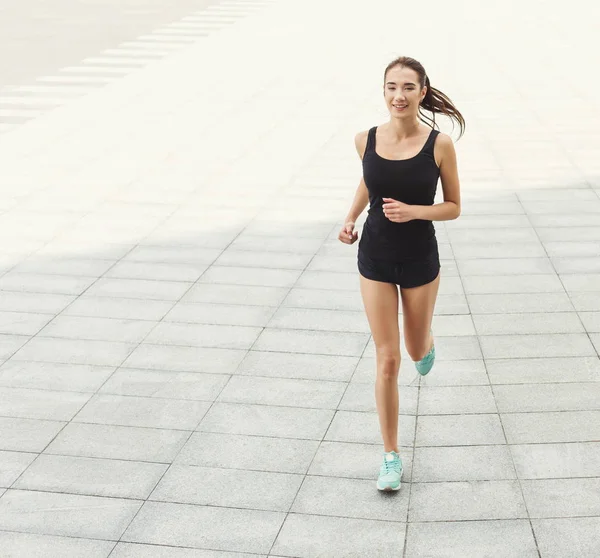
(390, 488)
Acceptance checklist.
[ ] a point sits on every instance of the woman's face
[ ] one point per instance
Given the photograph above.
(402, 92)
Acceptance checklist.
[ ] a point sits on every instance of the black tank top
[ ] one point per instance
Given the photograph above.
(412, 181)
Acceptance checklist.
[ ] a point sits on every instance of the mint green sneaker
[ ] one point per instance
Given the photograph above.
(425, 365)
(390, 472)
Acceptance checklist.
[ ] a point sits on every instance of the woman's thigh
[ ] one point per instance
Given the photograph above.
(418, 304)
(381, 305)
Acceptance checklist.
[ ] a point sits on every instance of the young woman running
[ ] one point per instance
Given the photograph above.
(402, 161)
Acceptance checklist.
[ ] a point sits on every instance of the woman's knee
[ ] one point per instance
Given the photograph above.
(388, 362)
(418, 349)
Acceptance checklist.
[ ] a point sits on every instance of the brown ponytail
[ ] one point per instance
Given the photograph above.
(434, 101)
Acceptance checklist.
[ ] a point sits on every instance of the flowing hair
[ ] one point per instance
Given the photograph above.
(434, 101)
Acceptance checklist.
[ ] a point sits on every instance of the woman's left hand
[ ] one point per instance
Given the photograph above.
(398, 212)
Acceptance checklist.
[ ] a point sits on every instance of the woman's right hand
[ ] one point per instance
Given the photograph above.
(348, 235)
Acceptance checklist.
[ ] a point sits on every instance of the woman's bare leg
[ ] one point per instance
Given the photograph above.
(381, 305)
(418, 304)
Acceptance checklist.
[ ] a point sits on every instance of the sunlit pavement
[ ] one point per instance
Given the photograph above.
(188, 371)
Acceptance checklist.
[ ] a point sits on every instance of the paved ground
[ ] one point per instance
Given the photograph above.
(187, 371)
(67, 48)
(50, 35)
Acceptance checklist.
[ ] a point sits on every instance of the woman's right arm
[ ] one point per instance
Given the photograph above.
(361, 197)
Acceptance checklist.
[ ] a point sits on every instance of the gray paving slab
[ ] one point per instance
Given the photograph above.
(51, 304)
(577, 497)
(550, 427)
(459, 430)
(509, 538)
(130, 550)
(456, 501)
(118, 442)
(595, 337)
(590, 321)
(547, 397)
(299, 366)
(21, 323)
(283, 392)
(153, 412)
(250, 276)
(342, 497)
(75, 266)
(204, 335)
(97, 329)
(27, 435)
(172, 271)
(208, 486)
(310, 341)
(586, 302)
(544, 461)
(205, 526)
(328, 280)
(40, 283)
(505, 266)
(285, 422)
(139, 288)
(41, 404)
(543, 370)
(53, 376)
(74, 351)
(463, 463)
(582, 282)
(117, 308)
(323, 299)
(260, 296)
(576, 264)
(208, 449)
(220, 314)
(91, 476)
(505, 284)
(536, 345)
(185, 359)
(320, 320)
(529, 323)
(13, 465)
(312, 536)
(48, 513)
(10, 344)
(558, 537)
(514, 303)
(26, 545)
(457, 400)
(471, 251)
(167, 385)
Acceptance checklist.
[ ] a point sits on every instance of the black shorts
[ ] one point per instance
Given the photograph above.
(407, 274)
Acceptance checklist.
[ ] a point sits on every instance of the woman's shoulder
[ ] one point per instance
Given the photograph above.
(443, 138)
(360, 142)
(443, 141)
(443, 147)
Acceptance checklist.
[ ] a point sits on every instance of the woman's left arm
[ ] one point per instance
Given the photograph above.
(450, 208)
